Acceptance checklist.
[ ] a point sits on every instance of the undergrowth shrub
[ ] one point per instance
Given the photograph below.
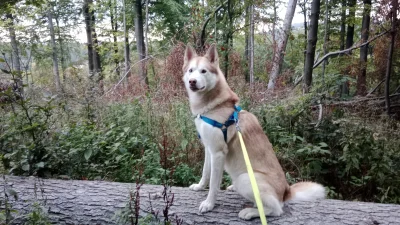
(349, 155)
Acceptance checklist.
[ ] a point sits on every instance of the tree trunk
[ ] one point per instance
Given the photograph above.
(88, 26)
(126, 47)
(56, 72)
(100, 202)
(96, 56)
(325, 47)
(304, 11)
(362, 77)
(62, 58)
(395, 6)
(228, 37)
(147, 28)
(140, 41)
(114, 29)
(280, 51)
(15, 55)
(275, 16)
(351, 4)
(251, 58)
(247, 40)
(351, 19)
(343, 25)
(311, 45)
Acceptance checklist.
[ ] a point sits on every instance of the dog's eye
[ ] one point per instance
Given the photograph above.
(203, 71)
(190, 70)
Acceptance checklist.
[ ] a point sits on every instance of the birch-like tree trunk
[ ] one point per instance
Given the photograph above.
(140, 41)
(228, 37)
(247, 40)
(147, 28)
(56, 72)
(395, 6)
(60, 42)
(126, 46)
(114, 30)
(280, 51)
(325, 47)
(362, 76)
(311, 44)
(251, 47)
(15, 54)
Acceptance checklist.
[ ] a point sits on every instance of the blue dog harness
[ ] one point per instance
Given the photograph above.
(234, 118)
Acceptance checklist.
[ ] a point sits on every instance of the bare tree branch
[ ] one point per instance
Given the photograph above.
(348, 50)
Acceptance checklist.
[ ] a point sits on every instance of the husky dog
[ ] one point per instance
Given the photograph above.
(210, 97)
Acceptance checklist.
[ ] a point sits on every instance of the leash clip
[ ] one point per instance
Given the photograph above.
(237, 125)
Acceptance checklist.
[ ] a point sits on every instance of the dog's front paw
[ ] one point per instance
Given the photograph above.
(231, 188)
(196, 187)
(248, 213)
(206, 206)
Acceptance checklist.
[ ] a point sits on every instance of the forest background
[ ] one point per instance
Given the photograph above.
(93, 89)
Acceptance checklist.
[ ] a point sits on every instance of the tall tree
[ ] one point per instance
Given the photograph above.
(251, 47)
(126, 45)
(280, 51)
(311, 45)
(342, 24)
(393, 31)
(351, 17)
(54, 50)
(96, 54)
(362, 76)
(326, 33)
(93, 51)
(88, 27)
(15, 53)
(303, 6)
(140, 41)
(350, 23)
(228, 36)
(246, 34)
(114, 30)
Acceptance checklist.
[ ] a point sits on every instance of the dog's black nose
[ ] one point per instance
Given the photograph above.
(192, 82)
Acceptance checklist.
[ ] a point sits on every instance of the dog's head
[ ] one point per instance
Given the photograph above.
(201, 73)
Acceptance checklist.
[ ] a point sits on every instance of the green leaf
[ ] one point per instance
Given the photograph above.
(40, 165)
(2, 60)
(184, 143)
(25, 167)
(88, 153)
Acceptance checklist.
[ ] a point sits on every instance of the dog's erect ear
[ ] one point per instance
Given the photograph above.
(212, 54)
(190, 53)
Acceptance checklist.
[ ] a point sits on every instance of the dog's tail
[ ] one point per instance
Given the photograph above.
(305, 191)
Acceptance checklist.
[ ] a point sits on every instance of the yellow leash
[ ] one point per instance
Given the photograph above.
(253, 181)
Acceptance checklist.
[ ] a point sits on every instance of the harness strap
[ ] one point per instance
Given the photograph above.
(224, 127)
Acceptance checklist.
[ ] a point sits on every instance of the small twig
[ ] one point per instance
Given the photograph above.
(127, 72)
(374, 89)
(397, 89)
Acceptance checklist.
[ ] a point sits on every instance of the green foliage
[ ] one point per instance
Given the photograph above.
(37, 216)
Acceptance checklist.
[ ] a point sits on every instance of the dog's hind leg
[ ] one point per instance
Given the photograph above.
(272, 206)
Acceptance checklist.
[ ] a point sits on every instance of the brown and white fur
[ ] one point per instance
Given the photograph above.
(210, 96)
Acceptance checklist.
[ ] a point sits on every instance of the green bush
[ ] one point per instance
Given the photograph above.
(345, 153)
